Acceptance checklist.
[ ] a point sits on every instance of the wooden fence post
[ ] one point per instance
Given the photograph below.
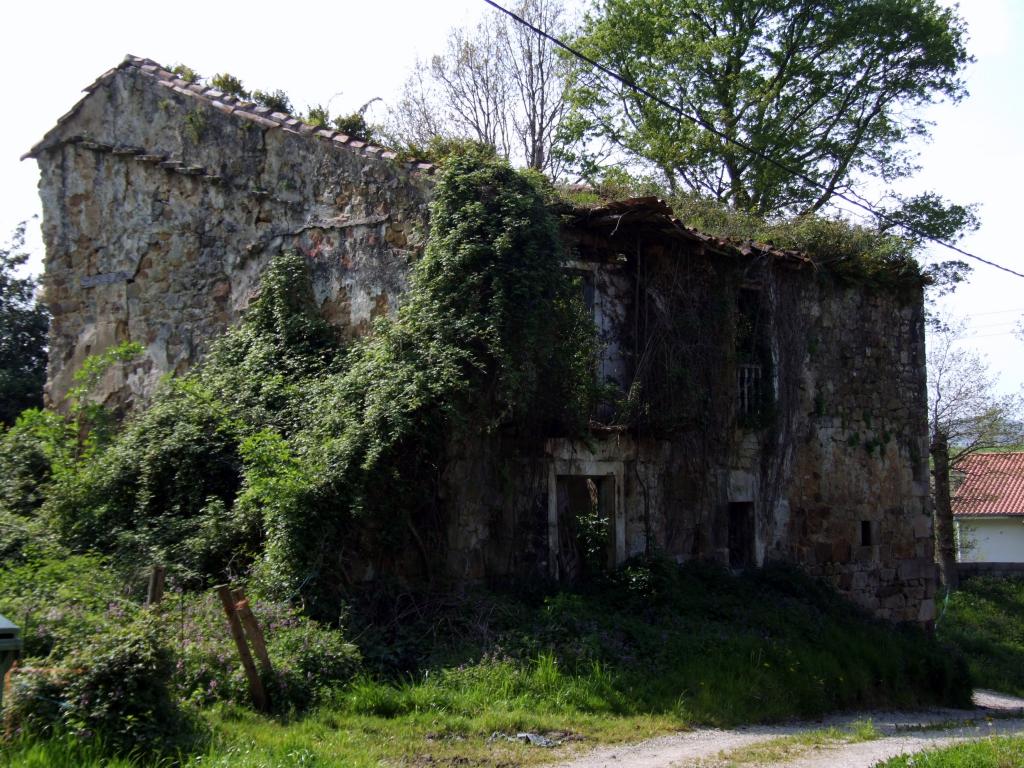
(259, 696)
(155, 591)
(252, 631)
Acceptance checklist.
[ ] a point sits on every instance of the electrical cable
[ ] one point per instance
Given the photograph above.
(880, 215)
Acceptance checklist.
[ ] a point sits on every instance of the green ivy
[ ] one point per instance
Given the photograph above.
(286, 450)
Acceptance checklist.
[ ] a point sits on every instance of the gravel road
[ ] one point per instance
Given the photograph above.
(902, 732)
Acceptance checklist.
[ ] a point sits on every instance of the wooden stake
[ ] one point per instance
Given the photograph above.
(155, 592)
(259, 696)
(252, 631)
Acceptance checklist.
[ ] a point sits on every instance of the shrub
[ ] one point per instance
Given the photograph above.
(59, 598)
(308, 658)
(114, 687)
(310, 661)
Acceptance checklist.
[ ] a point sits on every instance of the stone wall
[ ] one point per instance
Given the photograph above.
(162, 207)
(834, 476)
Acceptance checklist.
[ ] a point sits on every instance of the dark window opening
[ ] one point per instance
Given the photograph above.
(865, 533)
(589, 291)
(586, 526)
(741, 535)
(754, 394)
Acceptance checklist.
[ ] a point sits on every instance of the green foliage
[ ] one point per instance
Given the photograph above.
(994, 752)
(195, 125)
(229, 84)
(24, 322)
(656, 647)
(692, 641)
(984, 620)
(826, 88)
(355, 125)
(59, 598)
(318, 116)
(276, 100)
(115, 686)
(27, 451)
(848, 250)
(310, 660)
(491, 336)
(186, 73)
(165, 487)
(439, 149)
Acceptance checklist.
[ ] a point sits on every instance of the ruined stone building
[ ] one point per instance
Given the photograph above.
(783, 410)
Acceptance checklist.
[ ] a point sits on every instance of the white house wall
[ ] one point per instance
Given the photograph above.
(991, 540)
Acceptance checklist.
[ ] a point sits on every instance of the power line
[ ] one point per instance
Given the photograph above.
(880, 215)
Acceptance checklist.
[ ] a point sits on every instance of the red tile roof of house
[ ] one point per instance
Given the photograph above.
(993, 485)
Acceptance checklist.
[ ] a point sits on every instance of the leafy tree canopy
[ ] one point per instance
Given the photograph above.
(23, 326)
(829, 88)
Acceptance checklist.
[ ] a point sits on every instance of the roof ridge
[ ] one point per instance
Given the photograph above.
(232, 105)
(660, 207)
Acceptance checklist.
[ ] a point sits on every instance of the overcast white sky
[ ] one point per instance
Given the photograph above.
(51, 50)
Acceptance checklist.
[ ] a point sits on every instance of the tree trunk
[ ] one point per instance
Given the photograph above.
(945, 538)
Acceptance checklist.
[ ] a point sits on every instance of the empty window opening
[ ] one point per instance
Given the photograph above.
(589, 288)
(866, 539)
(753, 355)
(586, 526)
(741, 534)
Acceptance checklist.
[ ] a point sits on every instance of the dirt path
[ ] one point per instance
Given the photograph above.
(900, 732)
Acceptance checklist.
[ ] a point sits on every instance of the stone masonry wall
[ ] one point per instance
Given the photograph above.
(837, 477)
(162, 206)
(161, 210)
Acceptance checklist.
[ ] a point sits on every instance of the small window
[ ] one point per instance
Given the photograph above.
(865, 533)
(753, 358)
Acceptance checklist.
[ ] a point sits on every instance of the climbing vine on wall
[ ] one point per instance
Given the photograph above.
(286, 451)
(491, 337)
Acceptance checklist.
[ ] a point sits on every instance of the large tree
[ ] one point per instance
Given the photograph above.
(829, 88)
(498, 83)
(966, 415)
(23, 328)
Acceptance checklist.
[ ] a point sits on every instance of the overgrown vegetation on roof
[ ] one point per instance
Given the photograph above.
(850, 251)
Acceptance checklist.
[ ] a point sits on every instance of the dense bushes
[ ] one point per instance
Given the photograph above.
(113, 686)
(286, 452)
(309, 659)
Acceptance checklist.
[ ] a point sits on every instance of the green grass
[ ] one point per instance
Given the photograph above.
(788, 748)
(985, 622)
(657, 649)
(999, 752)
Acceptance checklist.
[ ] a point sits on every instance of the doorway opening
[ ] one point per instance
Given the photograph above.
(741, 535)
(586, 526)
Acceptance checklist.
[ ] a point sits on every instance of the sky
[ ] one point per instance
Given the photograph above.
(347, 53)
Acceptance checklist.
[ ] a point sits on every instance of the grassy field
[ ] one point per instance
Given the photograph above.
(1002, 752)
(985, 621)
(454, 681)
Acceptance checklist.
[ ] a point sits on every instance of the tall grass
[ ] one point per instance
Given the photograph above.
(653, 649)
(984, 620)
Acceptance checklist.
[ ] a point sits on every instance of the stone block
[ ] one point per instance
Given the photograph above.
(894, 602)
(841, 551)
(926, 611)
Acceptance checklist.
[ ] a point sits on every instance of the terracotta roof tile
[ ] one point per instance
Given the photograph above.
(263, 116)
(993, 485)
